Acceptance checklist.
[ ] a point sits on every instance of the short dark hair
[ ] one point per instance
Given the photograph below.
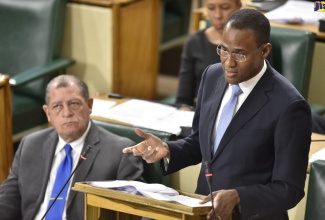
(252, 19)
(63, 81)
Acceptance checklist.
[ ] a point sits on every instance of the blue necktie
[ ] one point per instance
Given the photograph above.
(62, 176)
(226, 115)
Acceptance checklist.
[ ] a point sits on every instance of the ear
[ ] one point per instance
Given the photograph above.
(90, 104)
(266, 50)
(46, 110)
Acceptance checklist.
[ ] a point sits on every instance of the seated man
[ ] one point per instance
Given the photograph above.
(35, 177)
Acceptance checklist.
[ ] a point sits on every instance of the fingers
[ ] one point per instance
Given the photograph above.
(136, 150)
(224, 203)
(127, 150)
(205, 199)
(141, 133)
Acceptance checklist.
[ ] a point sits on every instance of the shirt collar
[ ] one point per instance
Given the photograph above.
(75, 145)
(248, 86)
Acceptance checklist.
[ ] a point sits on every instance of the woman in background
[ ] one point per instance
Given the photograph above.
(200, 51)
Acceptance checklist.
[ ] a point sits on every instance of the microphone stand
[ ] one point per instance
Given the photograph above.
(81, 159)
(208, 176)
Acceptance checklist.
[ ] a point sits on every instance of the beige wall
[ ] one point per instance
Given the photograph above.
(88, 40)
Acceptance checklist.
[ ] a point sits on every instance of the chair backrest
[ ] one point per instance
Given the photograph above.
(315, 205)
(292, 55)
(30, 36)
(152, 173)
(6, 146)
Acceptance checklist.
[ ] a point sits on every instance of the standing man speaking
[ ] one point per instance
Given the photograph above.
(251, 125)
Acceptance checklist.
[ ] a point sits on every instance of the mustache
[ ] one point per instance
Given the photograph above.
(230, 69)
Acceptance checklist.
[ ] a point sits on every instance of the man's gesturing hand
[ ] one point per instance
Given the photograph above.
(152, 149)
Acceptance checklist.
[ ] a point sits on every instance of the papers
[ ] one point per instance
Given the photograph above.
(101, 106)
(319, 155)
(150, 190)
(134, 186)
(295, 12)
(147, 114)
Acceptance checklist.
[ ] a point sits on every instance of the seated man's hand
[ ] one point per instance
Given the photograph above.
(152, 149)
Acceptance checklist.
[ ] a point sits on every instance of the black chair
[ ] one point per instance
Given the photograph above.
(176, 17)
(31, 33)
(292, 56)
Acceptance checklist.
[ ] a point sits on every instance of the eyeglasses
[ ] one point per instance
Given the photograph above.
(237, 56)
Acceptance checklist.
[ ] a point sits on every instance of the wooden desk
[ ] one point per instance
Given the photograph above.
(118, 101)
(115, 44)
(128, 205)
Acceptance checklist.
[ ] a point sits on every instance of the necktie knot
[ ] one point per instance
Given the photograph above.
(236, 90)
(67, 149)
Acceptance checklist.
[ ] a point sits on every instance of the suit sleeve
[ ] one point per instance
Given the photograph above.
(130, 167)
(10, 199)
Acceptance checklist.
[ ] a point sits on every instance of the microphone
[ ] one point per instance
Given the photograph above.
(83, 157)
(208, 177)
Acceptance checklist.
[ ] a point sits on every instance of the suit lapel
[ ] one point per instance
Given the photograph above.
(220, 88)
(253, 104)
(48, 148)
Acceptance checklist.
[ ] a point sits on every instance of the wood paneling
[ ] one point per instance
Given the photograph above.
(136, 41)
(6, 146)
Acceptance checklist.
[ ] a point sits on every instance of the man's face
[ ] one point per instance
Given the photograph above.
(242, 42)
(68, 112)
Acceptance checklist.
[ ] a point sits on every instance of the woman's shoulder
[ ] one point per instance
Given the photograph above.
(198, 36)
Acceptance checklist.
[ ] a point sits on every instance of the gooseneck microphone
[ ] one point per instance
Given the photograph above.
(208, 177)
(83, 157)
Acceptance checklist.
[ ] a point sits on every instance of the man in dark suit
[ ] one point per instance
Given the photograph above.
(259, 167)
(26, 193)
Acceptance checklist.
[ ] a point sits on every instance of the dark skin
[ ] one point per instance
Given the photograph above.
(153, 149)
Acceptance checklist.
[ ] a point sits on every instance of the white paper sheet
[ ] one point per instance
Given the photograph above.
(150, 115)
(150, 190)
(295, 12)
(100, 107)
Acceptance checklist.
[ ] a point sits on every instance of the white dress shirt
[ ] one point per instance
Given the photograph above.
(246, 87)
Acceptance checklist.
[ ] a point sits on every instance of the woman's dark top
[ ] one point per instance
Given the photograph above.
(198, 53)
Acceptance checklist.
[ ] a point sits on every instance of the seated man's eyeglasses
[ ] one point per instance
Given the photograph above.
(237, 56)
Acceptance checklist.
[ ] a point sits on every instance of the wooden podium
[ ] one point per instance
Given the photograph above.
(129, 206)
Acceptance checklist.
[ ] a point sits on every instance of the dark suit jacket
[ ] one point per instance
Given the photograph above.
(264, 151)
(22, 193)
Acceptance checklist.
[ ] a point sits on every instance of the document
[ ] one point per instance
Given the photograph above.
(149, 115)
(101, 106)
(296, 12)
(151, 190)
